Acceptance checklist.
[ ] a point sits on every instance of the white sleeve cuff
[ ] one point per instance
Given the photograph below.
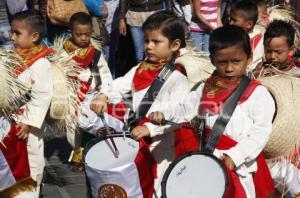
(235, 155)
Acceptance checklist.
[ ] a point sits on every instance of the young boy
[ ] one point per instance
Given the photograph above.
(279, 50)
(245, 14)
(250, 125)
(164, 36)
(95, 71)
(27, 28)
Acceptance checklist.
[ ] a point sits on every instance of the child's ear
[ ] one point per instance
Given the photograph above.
(69, 33)
(175, 45)
(250, 58)
(250, 25)
(36, 37)
(292, 50)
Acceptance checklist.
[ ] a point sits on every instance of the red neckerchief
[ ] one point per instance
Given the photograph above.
(83, 56)
(217, 89)
(255, 40)
(147, 72)
(30, 56)
(294, 60)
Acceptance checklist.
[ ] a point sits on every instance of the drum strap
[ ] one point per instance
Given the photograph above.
(151, 94)
(95, 70)
(223, 119)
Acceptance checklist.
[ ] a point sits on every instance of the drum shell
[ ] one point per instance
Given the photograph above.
(124, 178)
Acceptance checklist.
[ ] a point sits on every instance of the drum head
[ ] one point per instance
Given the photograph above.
(99, 153)
(195, 175)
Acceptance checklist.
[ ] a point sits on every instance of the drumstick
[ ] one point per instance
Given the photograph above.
(109, 133)
(177, 125)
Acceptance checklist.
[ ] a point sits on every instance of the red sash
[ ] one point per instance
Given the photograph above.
(263, 182)
(151, 164)
(15, 152)
(186, 141)
(255, 40)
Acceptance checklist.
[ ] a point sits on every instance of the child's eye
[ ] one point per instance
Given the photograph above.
(221, 63)
(236, 61)
(156, 41)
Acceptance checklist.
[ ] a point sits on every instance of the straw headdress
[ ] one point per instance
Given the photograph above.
(12, 91)
(197, 65)
(64, 100)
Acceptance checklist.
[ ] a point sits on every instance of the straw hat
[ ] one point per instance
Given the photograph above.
(286, 125)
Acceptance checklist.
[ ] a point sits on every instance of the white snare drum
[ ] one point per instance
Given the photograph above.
(195, 175)
(112, 176)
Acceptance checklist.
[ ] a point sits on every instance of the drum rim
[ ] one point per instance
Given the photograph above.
(95, 140)
(173, 164)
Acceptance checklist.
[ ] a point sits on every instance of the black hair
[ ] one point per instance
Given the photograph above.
(280, 28)
(260, 3)
(80, 18)
(228, 36)
(33, 20)
(170, 25)
(247, 8)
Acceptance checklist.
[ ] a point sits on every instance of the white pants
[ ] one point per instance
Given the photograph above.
(35, 148)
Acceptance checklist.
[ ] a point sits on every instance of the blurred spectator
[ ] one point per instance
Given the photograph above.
(15, 6)
(135, 12)
(207, 17)
(4, 27)
(112, 22)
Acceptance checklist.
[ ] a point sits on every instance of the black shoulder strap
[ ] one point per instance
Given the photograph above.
(95, 70)
(222, 121)
(154, 89)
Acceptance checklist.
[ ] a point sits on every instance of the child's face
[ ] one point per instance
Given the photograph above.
(158, 47)
(262, 14)
(231, 62)
(81, 34)
(21, 36)
(237, 19)
(277, 50)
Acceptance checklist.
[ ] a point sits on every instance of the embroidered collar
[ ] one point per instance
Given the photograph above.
(70, 48)
(29, 56)
(147, 66)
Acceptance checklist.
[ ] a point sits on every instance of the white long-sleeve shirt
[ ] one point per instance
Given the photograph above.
(39, 80)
